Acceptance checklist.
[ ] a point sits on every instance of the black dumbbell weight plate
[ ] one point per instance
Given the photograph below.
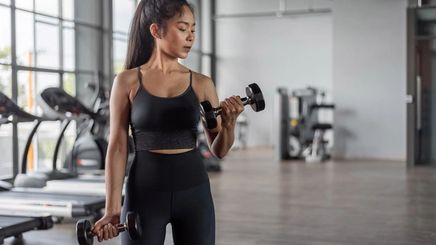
(253, 91)
(208, 114)
(83, 228)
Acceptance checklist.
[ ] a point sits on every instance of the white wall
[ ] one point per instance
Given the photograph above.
(369, 78)
(358, 53)
(291, 52)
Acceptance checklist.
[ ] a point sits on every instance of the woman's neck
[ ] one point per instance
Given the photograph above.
(163, 62)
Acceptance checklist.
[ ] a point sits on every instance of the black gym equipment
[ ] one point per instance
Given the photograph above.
(7, 109)
(15, 225)
(89, 149)
(86, 237)
(254, 99)
(56, 204)
(301, 134)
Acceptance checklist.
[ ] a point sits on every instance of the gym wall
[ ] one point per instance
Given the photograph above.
(293, 52)
(369, 78)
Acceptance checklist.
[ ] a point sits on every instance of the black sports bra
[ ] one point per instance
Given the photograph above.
(164, 122)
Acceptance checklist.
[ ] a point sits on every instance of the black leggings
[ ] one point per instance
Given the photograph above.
(170, 188)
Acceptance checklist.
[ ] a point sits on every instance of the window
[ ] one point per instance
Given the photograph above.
(49, 7)
(6, 129)
(68, 47)
(47, 42)
(5, 37)
(24, 4)
(58, 43)
(5, 80)
(68, 9)
(25, 40)
(69, 81)
(123, 12)
(120, 51)
(30, 85)
(6, 146)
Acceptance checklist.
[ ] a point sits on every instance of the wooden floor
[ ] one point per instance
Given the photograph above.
(261, 201)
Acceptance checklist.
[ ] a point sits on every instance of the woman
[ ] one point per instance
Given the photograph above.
(160, 100)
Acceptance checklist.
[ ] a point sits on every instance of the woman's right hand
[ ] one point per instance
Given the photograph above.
(105, 228)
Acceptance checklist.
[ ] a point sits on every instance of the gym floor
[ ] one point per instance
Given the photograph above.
(261, 201)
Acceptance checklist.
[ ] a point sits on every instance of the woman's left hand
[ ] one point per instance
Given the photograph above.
(230, 109)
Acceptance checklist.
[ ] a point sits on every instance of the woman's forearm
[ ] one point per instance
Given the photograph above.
(223, 141)
(115, 171)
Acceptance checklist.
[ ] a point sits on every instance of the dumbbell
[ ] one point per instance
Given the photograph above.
(254, 99)
(132, 225)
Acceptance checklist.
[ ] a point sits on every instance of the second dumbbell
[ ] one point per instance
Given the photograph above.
(86, 237)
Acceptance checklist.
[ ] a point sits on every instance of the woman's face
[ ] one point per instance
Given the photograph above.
(179, 35)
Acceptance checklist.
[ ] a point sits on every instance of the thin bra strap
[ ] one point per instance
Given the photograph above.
(190, 78)
(139, 75)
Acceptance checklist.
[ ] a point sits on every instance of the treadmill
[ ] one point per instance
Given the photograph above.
(15, 225)
(56, 204)
(88, 181)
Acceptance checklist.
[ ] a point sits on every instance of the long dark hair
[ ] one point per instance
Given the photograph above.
(141, 42)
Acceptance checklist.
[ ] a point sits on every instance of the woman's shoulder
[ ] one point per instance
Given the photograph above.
(126, 82)
(204, 85)
(127, 76)
(201, 80)
(127, 79)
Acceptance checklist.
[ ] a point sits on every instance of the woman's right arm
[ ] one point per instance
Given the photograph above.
(116, 157)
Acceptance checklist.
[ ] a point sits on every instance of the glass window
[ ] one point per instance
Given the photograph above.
(6, 129)
(69, 49)
(120, 51)
(46, 138)
(8, 2)
(6, 146)
(24, 130)
(5, 37)
(47, 45)
(24, 4)
(26, 87)
(68, 9)
(24, 29)
(123, 12)
(49, 7)
(6, 80)
(69, 80)
(40, 154)
(30, 85)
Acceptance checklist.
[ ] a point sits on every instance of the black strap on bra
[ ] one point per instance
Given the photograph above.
(139, 76)
(190, 78)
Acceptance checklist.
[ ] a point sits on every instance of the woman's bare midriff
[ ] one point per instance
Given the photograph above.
(171, 151)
